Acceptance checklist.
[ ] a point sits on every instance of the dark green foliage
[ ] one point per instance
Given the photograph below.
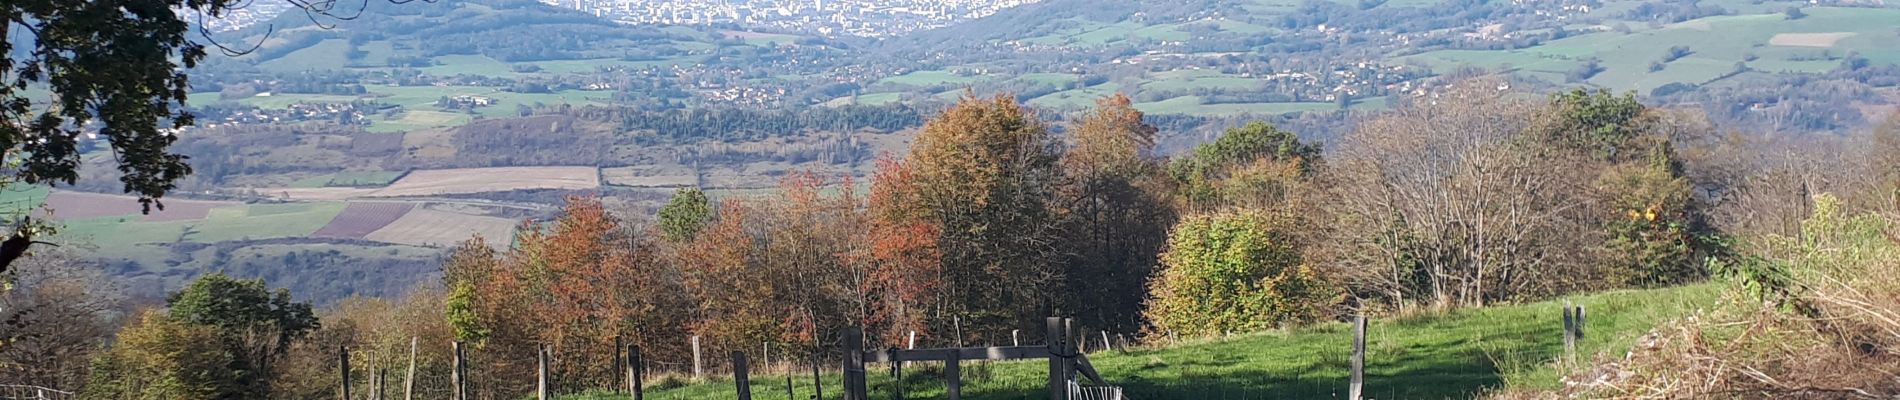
(1658, 232)
(682, 217)
(1200, 174)
(115, 66)
(1598, 122)
(253, 323)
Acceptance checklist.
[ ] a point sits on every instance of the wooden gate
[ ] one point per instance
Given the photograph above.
(1061, 348)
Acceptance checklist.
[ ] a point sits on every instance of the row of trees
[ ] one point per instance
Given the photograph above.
(992, 220)
(1472, 196)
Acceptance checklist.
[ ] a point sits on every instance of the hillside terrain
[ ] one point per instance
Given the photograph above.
(314, 139)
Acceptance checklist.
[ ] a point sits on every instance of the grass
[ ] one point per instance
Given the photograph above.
(364, 178)
(1717, 42)
(931, 78)
(1200, 79)
(22, 198)
(330, 54)
(1192, 105)
(248, 222)
(1450, 355)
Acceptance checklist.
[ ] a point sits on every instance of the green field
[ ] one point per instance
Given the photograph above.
(1717, 43)
(348, 179)
(331, 54)
(931, 78)
(1191, 105)
(1075, 99)
(1453, 355)
(21, 198)
(241, 222)
(1200, 79)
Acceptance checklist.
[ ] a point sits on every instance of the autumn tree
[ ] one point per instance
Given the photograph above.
(898, 267)
(1118, 214)
(575, 285)
(220, 338)
(985, 171)
(1235, 272)
(158, 357)
(377, 332)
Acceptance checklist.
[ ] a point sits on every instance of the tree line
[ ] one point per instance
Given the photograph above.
(1474, 196)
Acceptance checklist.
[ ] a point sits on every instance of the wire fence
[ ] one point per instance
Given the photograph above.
(27, 392)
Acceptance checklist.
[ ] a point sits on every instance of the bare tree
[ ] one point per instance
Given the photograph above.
(63, 311)
(1451, 201)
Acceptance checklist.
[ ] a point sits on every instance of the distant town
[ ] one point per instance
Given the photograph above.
(869, 18)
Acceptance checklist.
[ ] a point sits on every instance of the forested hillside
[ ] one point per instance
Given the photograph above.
(514, 175)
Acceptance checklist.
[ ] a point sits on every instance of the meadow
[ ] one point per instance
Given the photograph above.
(1769, 42)
(1419, 356)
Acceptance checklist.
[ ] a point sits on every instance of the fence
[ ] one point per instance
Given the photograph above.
(1064, 348)
(26, 392)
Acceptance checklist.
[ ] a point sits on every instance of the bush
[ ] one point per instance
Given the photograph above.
(162, 358)
(1235, 273)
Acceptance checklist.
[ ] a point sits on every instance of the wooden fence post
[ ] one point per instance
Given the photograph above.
(1058, 385)
(382, 382)
(897, 373)
(343, 362)
(457, 376)
(958, 321)
(1358, 356)
(409, 382)
(635, 368)
(817, 385)
(853, 344)
(541, 373)
(1570, 331)
(696, 359)
(953, 376)
(739, 377)
(1580, 324)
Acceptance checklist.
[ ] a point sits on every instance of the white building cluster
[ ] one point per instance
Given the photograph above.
(871, 18)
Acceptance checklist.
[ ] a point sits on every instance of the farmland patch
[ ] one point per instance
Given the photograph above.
(480, 180)
(360, 218)
(1825, 39)
(432, 228)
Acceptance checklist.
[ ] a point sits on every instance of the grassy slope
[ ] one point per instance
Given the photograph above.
(1718, 43)
(1430, 357)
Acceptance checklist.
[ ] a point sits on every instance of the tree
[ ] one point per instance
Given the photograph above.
(1656, 231)
(51, 326)
(159, 357)
(1451, 202)
(114, 68)
(575, 284)
(255, 325)
(1118, 214)
(1235, 273)
(1201, 175)
(683, 216)
(984, 173)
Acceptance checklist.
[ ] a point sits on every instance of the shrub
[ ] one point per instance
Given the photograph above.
(1234, 273)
